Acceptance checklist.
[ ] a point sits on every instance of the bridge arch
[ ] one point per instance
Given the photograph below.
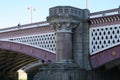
(27, 50)
(109, 57)
(14, 56)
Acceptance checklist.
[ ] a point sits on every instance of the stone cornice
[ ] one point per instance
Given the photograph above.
(65, 18)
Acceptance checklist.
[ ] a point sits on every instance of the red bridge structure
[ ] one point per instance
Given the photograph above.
(93, 39)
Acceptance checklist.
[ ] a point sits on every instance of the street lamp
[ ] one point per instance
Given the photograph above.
(31, 9)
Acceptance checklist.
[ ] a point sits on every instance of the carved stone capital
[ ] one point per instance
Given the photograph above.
(64, 26)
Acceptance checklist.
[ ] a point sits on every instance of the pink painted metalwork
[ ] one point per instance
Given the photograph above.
(28, 50)
(103, 57)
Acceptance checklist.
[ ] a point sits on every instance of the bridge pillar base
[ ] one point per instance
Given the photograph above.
(61, 71)
(72, 71)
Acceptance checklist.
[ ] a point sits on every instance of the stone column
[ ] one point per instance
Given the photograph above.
(64, 19)
(64, 41)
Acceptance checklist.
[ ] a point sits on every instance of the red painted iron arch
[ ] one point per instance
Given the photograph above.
(102, 58)
(28, 50)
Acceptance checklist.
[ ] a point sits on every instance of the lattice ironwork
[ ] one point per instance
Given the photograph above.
(104, 37)
(45, 41)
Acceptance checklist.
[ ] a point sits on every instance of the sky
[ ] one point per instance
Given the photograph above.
(13, 12)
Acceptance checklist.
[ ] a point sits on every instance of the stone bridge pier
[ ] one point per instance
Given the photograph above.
(69, 23)
(72, 28)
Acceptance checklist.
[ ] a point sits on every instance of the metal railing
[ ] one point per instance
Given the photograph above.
(105, 13)
(25, 26)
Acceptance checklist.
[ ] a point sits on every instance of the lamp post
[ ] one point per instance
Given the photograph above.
(86, 4)
(31, 9)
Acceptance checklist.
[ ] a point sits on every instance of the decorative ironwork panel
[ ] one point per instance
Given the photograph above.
(104, 37)
(45, 41)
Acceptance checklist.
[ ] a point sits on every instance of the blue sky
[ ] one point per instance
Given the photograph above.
(13, 12)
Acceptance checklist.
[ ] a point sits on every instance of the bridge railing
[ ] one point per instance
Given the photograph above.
(18, 27)
(105, 13)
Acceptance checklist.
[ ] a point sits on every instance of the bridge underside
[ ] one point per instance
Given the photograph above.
(14, 56)
(11, 62)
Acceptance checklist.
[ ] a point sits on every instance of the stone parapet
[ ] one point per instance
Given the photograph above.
(65, 11)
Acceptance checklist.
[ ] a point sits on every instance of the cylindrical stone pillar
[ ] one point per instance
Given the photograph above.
(63, 47)
(63, 43)
(64, 19)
